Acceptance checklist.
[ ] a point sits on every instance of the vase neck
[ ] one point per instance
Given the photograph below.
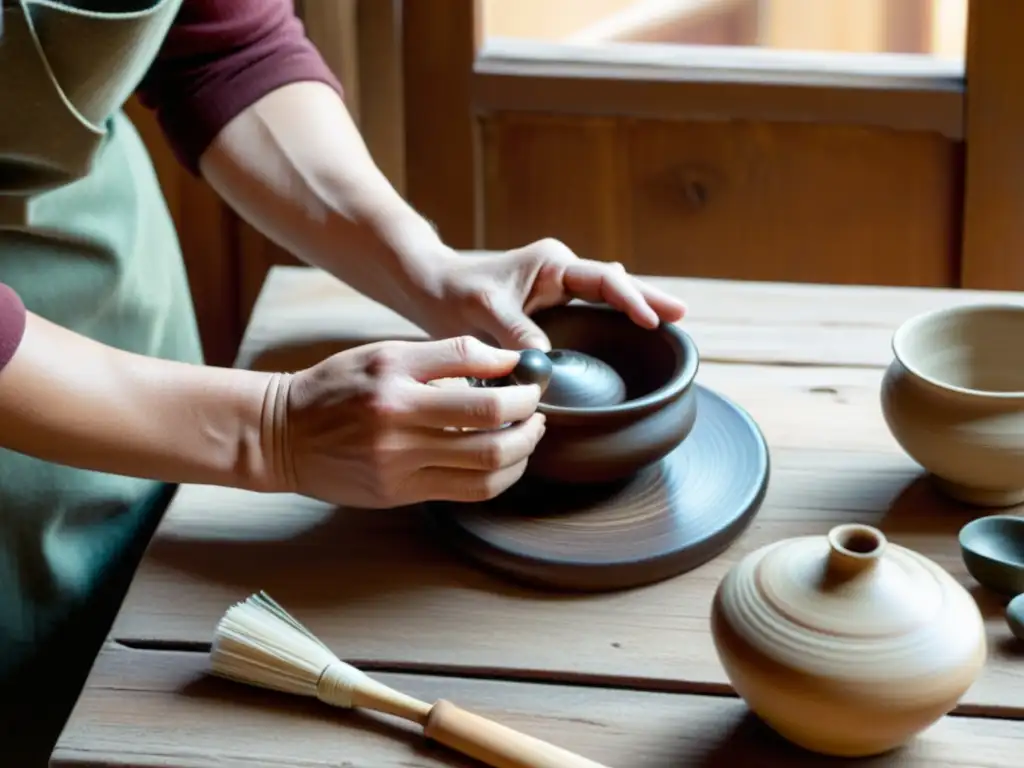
(854, 549)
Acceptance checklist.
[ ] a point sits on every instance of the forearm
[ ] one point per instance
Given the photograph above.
(73, 401)
(294, 165)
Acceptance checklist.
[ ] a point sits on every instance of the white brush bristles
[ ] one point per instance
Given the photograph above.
(257, 642)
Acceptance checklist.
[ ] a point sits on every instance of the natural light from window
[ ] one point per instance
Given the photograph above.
(931, 28)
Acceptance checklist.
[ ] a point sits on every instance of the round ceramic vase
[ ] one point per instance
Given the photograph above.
(953, 397)
(846, 644)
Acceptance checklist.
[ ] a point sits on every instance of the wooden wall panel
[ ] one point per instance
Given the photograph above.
(207, 233)
(555, 177)
(381, 102)
(993, 231)
(742, 200)
(439, 45)
(803, 202)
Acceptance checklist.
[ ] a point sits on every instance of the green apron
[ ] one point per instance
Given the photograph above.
(87, 241)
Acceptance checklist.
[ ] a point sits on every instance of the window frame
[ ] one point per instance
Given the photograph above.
(975, 105)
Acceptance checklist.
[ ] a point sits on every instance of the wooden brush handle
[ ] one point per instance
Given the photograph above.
(495, 744)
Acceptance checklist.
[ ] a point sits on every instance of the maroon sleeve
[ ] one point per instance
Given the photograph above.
(221, 56)
(12, 323)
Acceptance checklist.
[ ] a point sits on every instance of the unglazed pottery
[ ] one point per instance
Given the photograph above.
(953, 398)
(596, 346)
(1015, 616)
(846, 644)
(667, 519)
(993, 550)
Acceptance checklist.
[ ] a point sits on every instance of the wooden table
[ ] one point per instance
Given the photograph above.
(629, 679)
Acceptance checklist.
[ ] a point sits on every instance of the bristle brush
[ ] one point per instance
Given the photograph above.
(258, 643)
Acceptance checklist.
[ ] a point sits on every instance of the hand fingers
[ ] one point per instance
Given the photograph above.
(487, 451)
(512, 329)
(667, 307)
(462, 356)
(462, 485)
(610, 283)
(468, 407)
(606, 282)
(449, 383)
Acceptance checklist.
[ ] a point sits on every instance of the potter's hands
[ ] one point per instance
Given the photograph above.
(492, 297)
(364, 428)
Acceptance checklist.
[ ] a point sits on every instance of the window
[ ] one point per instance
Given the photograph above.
(806, 140)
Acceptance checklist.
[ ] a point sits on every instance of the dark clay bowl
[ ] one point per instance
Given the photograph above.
(993, 550)
(1015, 616)
(609, 443)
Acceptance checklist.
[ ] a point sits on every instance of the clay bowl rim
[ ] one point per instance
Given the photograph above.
(914, 324)
(682, 379)
(975, 529)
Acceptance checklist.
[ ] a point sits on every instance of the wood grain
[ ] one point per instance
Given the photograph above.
(797, 202)
(721, 84)
(206, 231)
(994, 120)
(367, 582)
(441, 158)
(566, 180)
(333, 29)
(733, 200)
(381, 100)
(161, 710)
(731, 321)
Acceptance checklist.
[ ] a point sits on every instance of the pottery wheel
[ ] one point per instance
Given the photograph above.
(667, 519)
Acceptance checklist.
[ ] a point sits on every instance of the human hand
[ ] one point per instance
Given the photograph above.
(493, 297)
(364, 428)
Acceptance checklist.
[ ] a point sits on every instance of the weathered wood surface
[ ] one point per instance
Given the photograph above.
(731, 321)
(378, 589)
(154, 709)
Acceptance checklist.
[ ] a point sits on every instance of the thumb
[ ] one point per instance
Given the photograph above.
(513, 329)
(458, 357)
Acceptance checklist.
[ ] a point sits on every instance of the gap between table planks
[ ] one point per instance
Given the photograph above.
(159, 709)
(375, 588)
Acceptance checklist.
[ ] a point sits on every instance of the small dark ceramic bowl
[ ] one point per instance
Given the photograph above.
(993, 550)
(1015, 616)
(609, 443)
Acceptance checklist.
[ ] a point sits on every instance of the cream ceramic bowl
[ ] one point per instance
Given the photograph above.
(953, 397)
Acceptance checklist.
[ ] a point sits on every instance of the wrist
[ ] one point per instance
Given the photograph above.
(267, 464)
(380, 246)
(129, 414)
(414, 261)
(219, 434)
